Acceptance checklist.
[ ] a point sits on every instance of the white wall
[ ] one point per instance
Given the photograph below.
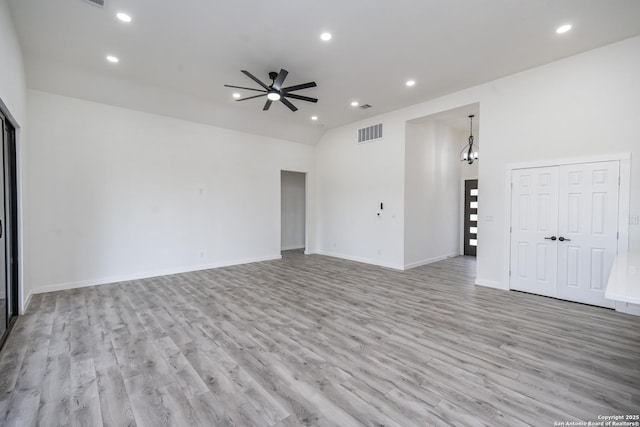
(352, 182)
(12, 73)
(292, 210)
(580, 106)
(13, 99)
(583, 106)
(118, 194)
(432, 192)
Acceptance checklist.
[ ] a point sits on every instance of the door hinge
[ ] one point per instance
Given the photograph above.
(618, 235)
(510, 229)
(509, 273)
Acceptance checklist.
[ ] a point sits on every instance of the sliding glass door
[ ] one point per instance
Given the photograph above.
(8, 229)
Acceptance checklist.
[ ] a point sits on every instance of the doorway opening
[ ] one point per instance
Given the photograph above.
(8, 227)
(434, 184)
(293, 211)
(470, 217)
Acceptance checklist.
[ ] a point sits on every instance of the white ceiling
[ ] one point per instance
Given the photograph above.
(176, 55)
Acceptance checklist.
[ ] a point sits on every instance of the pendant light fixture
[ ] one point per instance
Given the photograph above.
(469, 153)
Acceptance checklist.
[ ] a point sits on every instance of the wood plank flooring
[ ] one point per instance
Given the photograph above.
(316, 341)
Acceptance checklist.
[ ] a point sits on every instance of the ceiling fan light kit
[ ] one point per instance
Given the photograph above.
(273, 96)
(275, 92)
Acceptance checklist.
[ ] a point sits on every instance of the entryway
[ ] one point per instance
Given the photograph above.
(564, 230)
(293, 210)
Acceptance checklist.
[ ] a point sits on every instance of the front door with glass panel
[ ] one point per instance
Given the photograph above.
(470, 217)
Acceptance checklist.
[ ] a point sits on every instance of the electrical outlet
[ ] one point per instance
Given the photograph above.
(633, 220)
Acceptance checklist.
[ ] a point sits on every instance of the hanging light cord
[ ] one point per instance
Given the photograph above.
(470, 156)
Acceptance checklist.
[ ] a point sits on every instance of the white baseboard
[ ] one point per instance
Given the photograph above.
(429, 261)
(359, 259)
(25, 303)
(146, 275)
(292, 247)
(628, 308)
(492, 284)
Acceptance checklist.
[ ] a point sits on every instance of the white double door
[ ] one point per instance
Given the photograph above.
(564, 230)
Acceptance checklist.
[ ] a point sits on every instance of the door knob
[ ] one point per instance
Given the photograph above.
(552, 238)
(562, 239)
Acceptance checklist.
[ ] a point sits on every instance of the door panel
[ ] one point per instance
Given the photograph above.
(541, 263)
(470, 222)
(588, 221)
(534, 207)
(573, 266)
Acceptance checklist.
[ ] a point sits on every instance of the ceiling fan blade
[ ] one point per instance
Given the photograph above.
(288, 104)
(245, 88)
(300, 97)
(255, 79)
(267, 105)
(277, 83)
(298, 87)
(251, 97)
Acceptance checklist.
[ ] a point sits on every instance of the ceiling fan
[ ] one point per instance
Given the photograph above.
(275, 91)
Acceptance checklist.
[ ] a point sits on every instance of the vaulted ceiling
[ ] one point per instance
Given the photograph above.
(175, 56)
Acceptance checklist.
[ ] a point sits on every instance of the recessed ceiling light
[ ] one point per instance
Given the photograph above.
(563, 29)
(314, 117)
(410, 83)
(325, 36)
(355, 104)
(113, 59)
(123, 17)
(236, 95)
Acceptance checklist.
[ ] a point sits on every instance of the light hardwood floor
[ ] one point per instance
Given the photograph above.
(316, 341)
